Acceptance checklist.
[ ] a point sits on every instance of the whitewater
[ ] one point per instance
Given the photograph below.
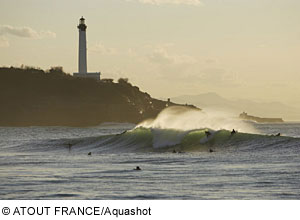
(179, 160)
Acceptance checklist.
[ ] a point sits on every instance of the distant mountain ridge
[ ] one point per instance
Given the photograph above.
(263, 109)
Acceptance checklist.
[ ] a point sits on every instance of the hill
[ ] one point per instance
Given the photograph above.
(34, 97)
(264, 109)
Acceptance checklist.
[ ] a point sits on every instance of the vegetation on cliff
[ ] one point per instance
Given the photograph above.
(34, 97)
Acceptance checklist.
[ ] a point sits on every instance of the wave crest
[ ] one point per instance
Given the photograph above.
(183, 118)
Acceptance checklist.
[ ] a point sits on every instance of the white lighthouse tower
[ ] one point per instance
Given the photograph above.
(82, 67)
(82, 58)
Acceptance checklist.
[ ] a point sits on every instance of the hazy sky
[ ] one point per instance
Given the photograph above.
(237, 48)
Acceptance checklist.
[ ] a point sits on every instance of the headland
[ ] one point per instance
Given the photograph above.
(34, 97)
(245, 116)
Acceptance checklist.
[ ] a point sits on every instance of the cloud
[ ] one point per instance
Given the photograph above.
(162, 56)
(217, 77)
(173, 2)
(25, 32)
(47, 34)
(210, 61)
(100, 48)
(165, 62)
(4, 42)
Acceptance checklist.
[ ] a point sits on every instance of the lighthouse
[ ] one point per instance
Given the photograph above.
(82, 66)
(82, 57)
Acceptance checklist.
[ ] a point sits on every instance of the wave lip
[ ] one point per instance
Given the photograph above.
(182, 118)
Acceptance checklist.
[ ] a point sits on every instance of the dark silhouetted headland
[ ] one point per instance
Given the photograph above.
(34, 97)
(245, 116)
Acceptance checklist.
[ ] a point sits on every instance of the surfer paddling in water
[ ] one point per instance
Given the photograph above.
(137, 168)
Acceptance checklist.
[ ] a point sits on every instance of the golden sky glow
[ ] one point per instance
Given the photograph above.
(237, 48)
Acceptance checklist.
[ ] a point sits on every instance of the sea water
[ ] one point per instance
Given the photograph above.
(53, 162)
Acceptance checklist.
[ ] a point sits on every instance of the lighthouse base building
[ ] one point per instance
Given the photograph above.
(95, 75)
(82, 58)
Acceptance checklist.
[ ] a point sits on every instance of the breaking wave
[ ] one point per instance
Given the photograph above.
(179, 129)
(142, 139)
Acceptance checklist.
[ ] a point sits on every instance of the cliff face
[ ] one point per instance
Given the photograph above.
(33, 97)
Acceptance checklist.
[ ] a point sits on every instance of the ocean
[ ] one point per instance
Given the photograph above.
(53, 162)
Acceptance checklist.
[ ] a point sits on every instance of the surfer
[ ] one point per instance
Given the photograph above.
(174, 151)
(207, 133)
(90, 153)
(69, 145)
(211, 150)
(278, 134)
(233, 132)
(124, 132)
(137, 168)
